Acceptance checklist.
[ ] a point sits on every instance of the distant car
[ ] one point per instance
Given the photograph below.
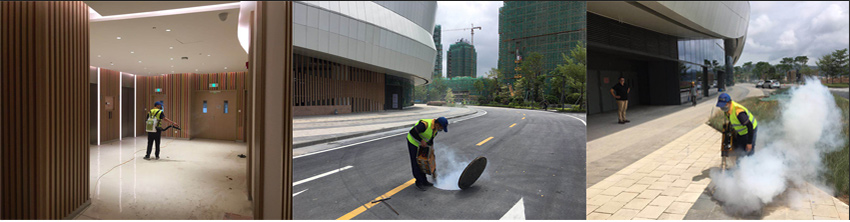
(774, 84)
(759, 84)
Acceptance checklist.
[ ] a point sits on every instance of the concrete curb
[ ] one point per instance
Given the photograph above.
(406, 115)
(310, 143)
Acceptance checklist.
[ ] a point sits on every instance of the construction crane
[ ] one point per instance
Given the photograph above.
(471, 32)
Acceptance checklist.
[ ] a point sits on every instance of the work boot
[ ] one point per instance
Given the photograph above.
(420, 187)
(147, 158)
(428, 184)
(157, 158)
(626, 121)
(621, 122)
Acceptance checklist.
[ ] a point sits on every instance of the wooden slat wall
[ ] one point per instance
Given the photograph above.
(322, 83)
(109, 86)
(177, 87)
(44, 164)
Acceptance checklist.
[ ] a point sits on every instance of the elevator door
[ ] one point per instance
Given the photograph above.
(127, 102)
(214, 115)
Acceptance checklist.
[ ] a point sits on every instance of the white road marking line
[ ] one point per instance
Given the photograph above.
(321, 175)
(515, 213)
(358, 143)
(579, 119)
(296, 194)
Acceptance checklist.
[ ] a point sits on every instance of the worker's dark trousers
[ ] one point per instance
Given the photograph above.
(154, 137)
(742, 145)
(417, 173)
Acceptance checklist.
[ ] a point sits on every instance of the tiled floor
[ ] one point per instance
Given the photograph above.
(670, 184)
(194, 179)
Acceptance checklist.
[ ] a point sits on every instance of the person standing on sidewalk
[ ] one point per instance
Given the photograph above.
(620, 91)
(744, 123)
(422, 136)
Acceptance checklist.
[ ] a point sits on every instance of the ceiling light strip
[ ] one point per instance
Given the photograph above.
(206, 8)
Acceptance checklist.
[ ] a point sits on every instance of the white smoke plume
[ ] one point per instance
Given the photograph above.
(788, 153)
(450, 164)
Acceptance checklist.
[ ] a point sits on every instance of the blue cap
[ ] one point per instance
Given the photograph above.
(723, 99)
(157, 103)
(443, 122)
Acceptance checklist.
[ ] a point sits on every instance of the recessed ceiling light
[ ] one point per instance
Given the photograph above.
(196, 70)
(225, 67)
(171, 47)
(172, 71)
(208, 54)
(119, 37)
(140, 61)
(111, 64)
(172, 66)
(146, 67)
(172, 58)
(131, 52)
(168, 30)
(98, 56)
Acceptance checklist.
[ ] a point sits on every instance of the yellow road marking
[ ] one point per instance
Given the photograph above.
(512, 125)
(485, 140)
(368, 205)
(523, 117)
(523, 114)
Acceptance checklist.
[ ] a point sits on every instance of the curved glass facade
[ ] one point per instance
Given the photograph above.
(694, 54)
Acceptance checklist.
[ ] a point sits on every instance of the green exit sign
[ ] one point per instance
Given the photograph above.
(158, 89)
(213, 85)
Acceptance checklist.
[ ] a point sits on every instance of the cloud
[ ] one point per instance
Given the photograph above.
(458, 15)
(790, 29)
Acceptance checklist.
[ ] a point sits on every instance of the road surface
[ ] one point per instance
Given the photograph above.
(535, 170)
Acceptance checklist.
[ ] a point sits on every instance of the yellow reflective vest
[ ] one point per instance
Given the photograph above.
(427, 135)
(733, 118)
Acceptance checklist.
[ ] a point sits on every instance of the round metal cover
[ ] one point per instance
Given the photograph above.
(472, 172)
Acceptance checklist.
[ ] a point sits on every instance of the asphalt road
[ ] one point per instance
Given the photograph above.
(539, 160)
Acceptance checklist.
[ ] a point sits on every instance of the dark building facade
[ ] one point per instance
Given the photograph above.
(659, 61)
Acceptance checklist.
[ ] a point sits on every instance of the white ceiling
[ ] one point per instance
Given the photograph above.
(210, 44)
(107, 8)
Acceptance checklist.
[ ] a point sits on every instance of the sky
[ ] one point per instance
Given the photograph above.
(790, 29)
(458, 15)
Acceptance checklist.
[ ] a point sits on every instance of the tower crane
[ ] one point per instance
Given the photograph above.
(471, 32)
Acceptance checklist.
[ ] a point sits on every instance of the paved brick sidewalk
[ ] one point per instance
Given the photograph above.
(667, 183)
(662, 185)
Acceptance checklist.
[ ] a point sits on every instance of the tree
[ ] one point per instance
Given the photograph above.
(748, 68)
(531, 68)
(784, 66)
(450, 97)
(761, 69)
(574, 74)
(479, 86)
(799, 62)
(834, 64)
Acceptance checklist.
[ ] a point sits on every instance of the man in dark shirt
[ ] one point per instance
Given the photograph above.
(422, 136)
(620, 91)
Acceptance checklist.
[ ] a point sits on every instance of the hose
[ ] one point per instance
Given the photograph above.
(134, 156)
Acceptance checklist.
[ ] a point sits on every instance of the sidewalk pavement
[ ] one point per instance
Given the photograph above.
(312, 130)
(666, 184)
(611, 146)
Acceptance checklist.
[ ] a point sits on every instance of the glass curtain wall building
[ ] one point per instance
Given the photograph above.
(660, 47)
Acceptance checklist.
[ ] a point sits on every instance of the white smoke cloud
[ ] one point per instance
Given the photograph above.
(791, 156)
(450, 165)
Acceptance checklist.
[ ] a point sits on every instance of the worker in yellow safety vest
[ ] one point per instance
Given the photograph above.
(422, 135)
(156, 136)
(743, 122)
